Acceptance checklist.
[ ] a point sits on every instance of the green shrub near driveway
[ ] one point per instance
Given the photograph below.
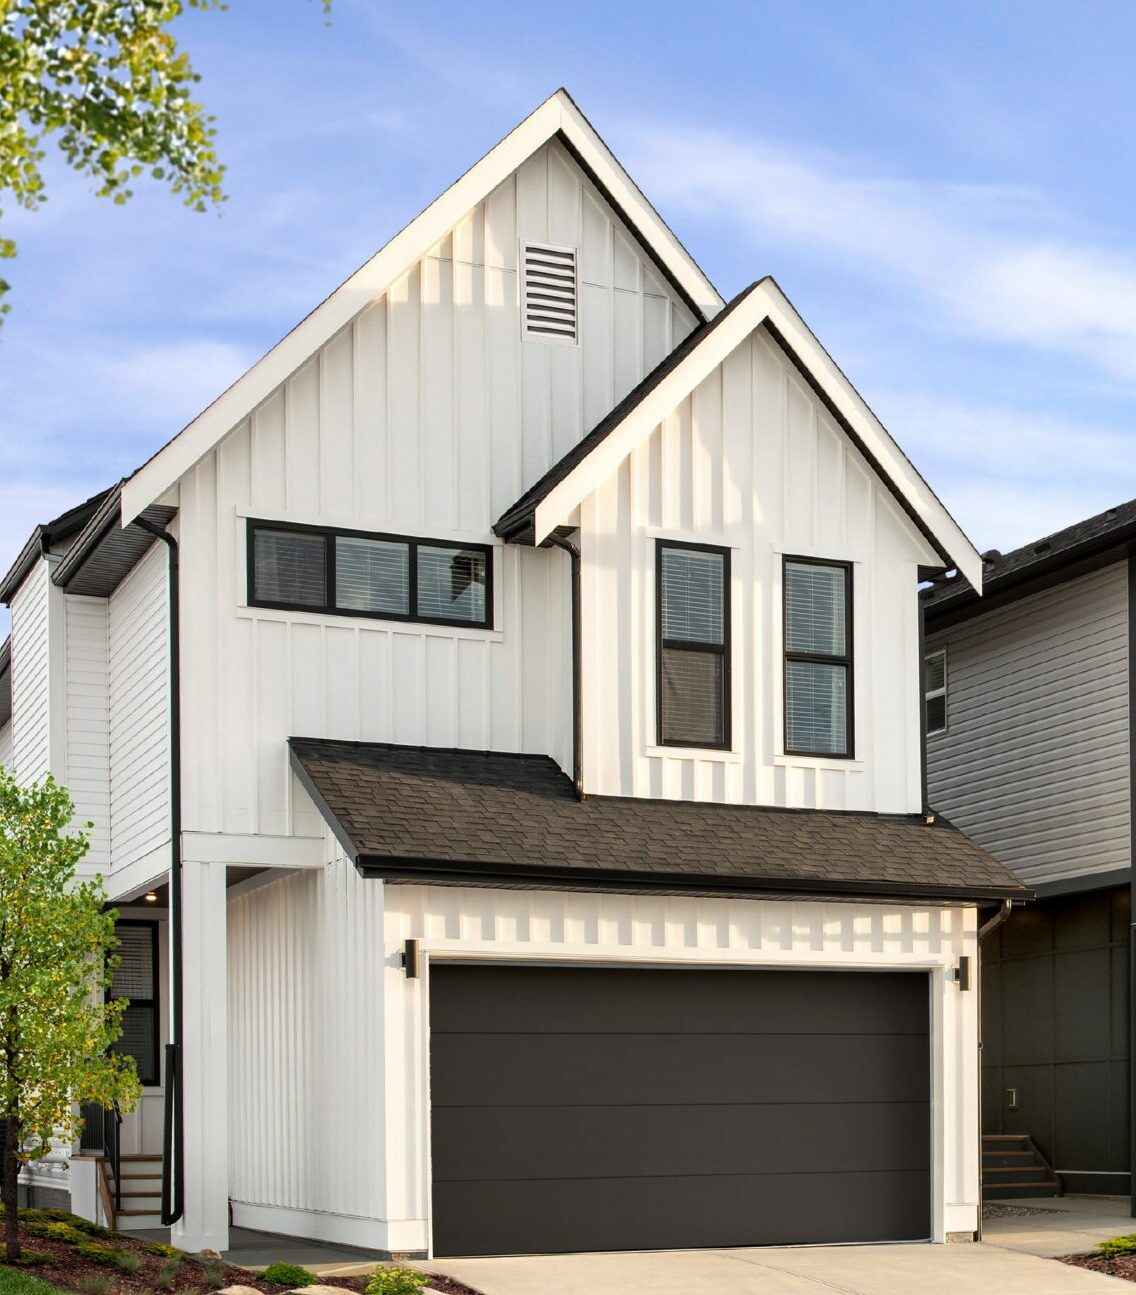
(106, 1255)
(57, 1232)
(396, 1281)
(1114, 1246)
(291, 1275)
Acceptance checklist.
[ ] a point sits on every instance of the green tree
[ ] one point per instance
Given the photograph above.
(56, 959)
(108, 82)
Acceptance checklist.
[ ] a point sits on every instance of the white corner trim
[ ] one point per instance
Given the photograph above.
(558, 114)
(765, 303)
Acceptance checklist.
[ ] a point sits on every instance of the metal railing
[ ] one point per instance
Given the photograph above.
(102, 1132)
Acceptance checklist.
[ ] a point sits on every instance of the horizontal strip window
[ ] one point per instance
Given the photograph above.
(356, 573)
(818, 658)
(693, 636)
(135, 979)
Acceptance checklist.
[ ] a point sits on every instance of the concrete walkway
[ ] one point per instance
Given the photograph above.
(1074, 1224)
(821, 1270)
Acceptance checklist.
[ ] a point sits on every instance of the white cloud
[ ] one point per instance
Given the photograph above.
(996, 262)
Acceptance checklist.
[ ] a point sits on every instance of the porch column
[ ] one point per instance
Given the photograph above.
(205, 1222)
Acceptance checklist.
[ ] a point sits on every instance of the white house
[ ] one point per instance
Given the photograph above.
(527, 804)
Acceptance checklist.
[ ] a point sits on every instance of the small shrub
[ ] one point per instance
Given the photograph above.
(96, 1283)
(56, 1232)
(1125, 1245)
(29, 1259)
(170, 1252)
(214, 1274)
(106, 1255)
(130, 1262)
(281, 1274)
(396, 1281)
(166, 1274)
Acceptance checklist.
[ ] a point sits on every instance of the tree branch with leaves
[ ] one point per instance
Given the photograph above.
(57, 945)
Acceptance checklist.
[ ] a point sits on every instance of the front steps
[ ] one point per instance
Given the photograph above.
(141, 1191)
(1012, 1166)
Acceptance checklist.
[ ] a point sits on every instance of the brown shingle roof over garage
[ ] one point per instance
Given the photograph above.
(413, 813)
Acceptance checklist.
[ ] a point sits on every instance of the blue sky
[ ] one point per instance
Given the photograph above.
(944, 191)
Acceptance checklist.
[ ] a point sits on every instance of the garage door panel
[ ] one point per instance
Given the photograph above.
(601, 1001)
(584, 1069)
(501, 1143)
(678, 1213)
(593, 1109)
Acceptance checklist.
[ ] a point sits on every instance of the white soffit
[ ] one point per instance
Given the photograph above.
(558, 115)
(765, 303)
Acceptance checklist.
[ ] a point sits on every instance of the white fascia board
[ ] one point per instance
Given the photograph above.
(556, 114)
(766, 302)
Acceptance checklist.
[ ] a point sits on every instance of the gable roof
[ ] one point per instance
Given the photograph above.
(558, 117)
(552, 500)
(1053, 559)
(44, 535)
(485, 818)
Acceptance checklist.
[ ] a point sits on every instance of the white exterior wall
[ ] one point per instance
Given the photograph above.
(427, 416)
(1034, 764)
(32, 683)
(6, 743)
(752, 461)
(87, 701)
(322, 1018)
(138, 689)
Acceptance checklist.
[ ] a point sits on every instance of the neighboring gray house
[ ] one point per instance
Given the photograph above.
(1029, 712)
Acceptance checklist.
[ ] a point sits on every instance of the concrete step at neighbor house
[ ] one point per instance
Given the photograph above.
(1013, 1166)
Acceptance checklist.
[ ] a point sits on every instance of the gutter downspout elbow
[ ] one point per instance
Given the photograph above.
(573, 552)
(173, 1132)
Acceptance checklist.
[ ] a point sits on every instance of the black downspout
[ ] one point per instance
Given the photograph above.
(577, 666)
(173, 1121)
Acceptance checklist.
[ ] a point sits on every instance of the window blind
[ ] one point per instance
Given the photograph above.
(372, 575)
(693, 662)
(818, 661)
(136, 979)
(291, 567)
(451, 583)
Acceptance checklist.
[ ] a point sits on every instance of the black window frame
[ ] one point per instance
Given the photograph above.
(329, 608)
(152, 1078)
(847, 660)
(943, 692)
(724, 649)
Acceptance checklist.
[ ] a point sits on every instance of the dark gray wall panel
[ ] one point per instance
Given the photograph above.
(602, 1108)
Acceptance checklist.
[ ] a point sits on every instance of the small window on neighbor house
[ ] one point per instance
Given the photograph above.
(935, 691)
(350, 573)
(136, 979)
(549, 296)
(818, 657)
(693, 645)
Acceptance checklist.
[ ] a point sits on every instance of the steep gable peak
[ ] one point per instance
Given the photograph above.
(558, 117)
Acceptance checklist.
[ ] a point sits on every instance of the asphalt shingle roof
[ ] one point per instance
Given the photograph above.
(1003, 572)
(425, 812)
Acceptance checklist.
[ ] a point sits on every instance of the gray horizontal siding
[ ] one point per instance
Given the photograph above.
(1034, 763)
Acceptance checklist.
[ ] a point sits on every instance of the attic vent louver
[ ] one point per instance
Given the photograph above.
(549, 305)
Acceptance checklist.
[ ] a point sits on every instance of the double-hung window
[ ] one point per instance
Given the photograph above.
(136, 978)
(355, 573)
(693, 666)
(935, 691)
(818, 657)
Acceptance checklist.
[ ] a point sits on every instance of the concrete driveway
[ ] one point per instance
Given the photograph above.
(1069, 1225)
(822, 1270)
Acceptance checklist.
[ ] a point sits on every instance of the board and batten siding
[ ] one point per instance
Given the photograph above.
(753, 461)
(1034, 764)
(31, 675)
(323, 1018)
(138, 686)
(87, 701)
(428, 415)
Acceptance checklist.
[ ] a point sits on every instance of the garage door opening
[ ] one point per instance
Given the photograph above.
(579, 1109)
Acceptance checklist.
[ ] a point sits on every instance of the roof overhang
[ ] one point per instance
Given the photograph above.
(43, 537)
(554, 500)
(106, 551)
(557, 117)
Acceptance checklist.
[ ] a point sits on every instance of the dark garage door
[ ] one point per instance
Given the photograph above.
(623, 1109)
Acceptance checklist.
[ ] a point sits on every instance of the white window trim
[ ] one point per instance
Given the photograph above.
(929, 693)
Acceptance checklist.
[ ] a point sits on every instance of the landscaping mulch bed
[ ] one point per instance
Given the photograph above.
(995, 1211)
(1122, 1266)
(157, 1272)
